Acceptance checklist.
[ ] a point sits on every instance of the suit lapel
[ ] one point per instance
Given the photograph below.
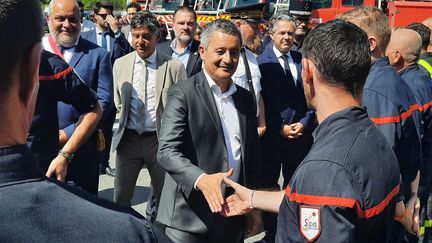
(127, 69)
(161, 67)
(193, 57)
(78, 53)
(206, 95)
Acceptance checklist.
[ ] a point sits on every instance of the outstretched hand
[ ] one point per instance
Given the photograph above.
(238, 203)
(210, 185)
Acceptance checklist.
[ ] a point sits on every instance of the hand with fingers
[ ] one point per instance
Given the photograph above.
(240, 202)
(58, 168)
(113, 23)
(210, 186)
(409, 219)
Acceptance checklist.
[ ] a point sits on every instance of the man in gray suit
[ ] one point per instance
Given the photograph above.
(141, 82)
(208, 131)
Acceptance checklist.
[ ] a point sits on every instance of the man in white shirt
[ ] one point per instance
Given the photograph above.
(141, 82)
(248, 75)
(208, 131)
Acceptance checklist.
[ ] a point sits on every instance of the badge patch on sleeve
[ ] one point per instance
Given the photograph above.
(310, 222)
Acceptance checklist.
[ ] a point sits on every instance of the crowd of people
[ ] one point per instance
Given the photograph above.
(342, 110)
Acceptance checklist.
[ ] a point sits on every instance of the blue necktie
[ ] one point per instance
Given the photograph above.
(104, 41)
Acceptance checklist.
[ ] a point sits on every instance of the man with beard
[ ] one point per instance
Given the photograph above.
(91, 63)
(184, 47)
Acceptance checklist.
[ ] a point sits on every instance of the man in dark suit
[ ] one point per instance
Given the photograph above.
(289, 122)
(33, 205)
(208, 131)
(58, 82)
(107, 35)
(92, 64)
(184, 48)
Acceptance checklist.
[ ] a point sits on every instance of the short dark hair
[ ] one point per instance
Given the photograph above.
(185, 8)
(222, 25)
(340, 51)
(145, 18)
(21, 27)
(135, 5)
(103, 4)
(423, 31)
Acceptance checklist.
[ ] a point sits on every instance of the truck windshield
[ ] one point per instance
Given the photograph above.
(352, 2)
(322, 4)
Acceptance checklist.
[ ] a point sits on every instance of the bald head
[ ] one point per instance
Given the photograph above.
(64, 22)
(404, 48)
(428, 23)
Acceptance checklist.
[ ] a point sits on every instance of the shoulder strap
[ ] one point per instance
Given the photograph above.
(249, 78)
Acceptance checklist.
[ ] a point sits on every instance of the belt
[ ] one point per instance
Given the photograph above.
(144, 134)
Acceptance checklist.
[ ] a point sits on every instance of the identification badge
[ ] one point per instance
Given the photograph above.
(310, 222)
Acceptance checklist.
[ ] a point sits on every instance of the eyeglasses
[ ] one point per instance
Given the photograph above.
(298, 21)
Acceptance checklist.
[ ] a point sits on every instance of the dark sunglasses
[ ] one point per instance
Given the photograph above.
(103, 15)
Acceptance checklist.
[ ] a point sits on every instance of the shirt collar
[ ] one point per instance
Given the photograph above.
(216, 89)
(98, 31)
(173, 47)
(151, 59)
(279, 54)
(18, 164)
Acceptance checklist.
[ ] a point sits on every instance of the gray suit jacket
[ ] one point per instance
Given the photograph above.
(168, 72)
(191, 142)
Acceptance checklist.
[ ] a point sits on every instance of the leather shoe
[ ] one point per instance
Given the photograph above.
(110, 171)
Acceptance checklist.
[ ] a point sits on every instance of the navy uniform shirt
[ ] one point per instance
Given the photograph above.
(37, 209)
(57, 82)
(345, 189)
(419, 83)
(391, 106)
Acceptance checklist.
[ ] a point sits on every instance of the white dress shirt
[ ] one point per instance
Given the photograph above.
(240, 78)
(143, 106)
(99, 36)
(291, 63)
(67, 53)
(230, 125)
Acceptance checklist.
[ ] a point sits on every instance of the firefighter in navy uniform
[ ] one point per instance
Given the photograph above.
(345, 190)
(58, 82)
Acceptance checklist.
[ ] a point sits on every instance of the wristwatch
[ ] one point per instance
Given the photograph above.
(67, 155)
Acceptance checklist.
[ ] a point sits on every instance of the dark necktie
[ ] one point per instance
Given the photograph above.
(286, 64)
(287, 69)
(104, 41)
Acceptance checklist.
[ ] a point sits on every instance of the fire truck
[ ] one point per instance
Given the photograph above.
(400, 13)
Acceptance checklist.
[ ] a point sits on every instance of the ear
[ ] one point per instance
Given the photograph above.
(29, 74)
(201, 50)
(398, 57)
(307, 71)
(373, 43)
(237, 23)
